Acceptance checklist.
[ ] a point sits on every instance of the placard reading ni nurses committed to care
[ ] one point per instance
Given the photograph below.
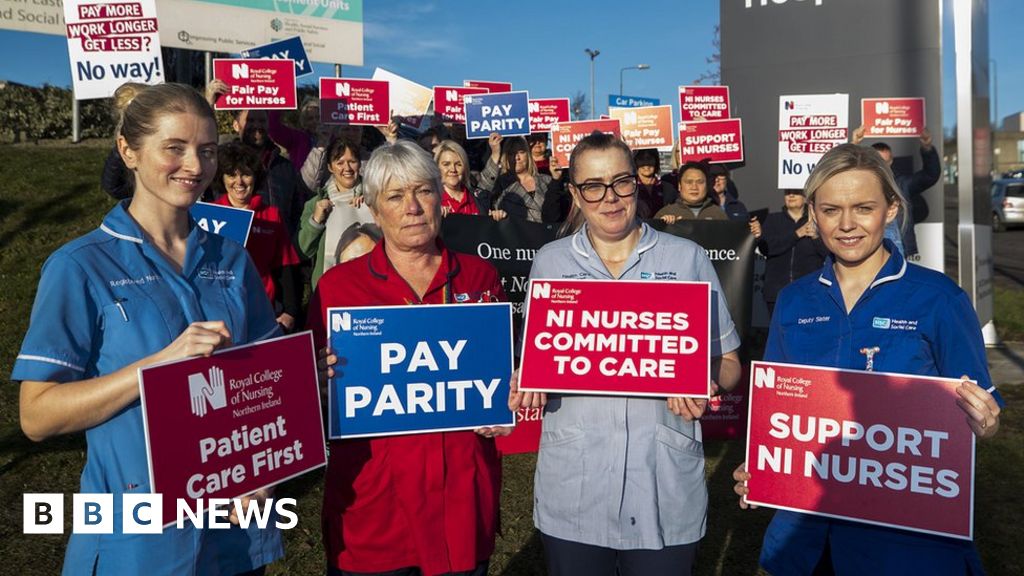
(507, 113)
(227, 425)
(886, 449)
(416, 369)
(585, 337)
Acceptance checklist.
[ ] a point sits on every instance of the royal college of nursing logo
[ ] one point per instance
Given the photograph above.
(207, 390)
(764, 377)
(541, 290)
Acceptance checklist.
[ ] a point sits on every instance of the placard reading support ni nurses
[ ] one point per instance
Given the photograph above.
(226, 221)
(507, 113)
(448, 102)
(545, 112)
(704, 102)
(110, 43)
(354, 102)
(809, 126)
(416, 369)
(645, 126)
(720, 141)
(488, 85)
(886, 449)
(892, 117)
(225, 426)
(256, 84)
(565, 136)
(584, 337)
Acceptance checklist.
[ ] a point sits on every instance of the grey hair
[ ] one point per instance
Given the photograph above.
(847, 157)
(454, 147)
(403, 163)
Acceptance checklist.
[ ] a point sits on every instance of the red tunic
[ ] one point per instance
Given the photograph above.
(423, 500)
(268, 245)
(466, 206)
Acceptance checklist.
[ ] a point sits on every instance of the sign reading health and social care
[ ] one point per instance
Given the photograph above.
(287, 49)
(703, 102)
(507, 113)
(238, 421)
(565, 136)
(582, 337)
(354, 102)
(809, 126)
(448, 102)
(545, 112)
(892, 117)
(622, 101)
(416, 369)
(488, 85)
(409, 100)
(110, 43)
(719, 141)
(886, 449)
(645, 127)
(222, 220)
(255, 84)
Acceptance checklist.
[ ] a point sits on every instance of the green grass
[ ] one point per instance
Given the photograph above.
(1009, 313)
(49, 195)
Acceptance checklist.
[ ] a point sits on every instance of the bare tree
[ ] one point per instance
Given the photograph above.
(713, 75)
(578, 106)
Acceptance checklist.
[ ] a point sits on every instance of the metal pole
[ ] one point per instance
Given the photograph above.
(995, 93)
(621, 71)
(591, 87)
(208, 67)
(76, 120)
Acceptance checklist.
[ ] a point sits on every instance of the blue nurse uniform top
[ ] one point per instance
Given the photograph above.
(923, 324)
(106, 300)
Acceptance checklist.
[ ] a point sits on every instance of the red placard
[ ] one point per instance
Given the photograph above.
(726, 416)
(354, 102)
(583, 337)
(545, 112)
(892, 117)
(256, 84)
(720, 141)
(703, 102)
(488, 85)
(886, 449)
(448, 102)
(228, 425)
(525, 437)
(645, 126)
(565, 135)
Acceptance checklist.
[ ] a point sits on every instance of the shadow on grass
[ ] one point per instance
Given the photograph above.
(40, 212)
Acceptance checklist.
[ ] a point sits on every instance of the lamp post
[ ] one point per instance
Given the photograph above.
(637, 67)
(593, 54)
(995, 93)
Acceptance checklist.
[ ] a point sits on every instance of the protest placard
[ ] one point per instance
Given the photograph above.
(227, 425)
(809, 126)
(892, 117)
(416, 369)
(885, 449)
(645, 126)
(448, 102)
(719, 141)
(507, 113)
(110, 43)
(287, 49)
(409, 100)
(582, 337)
(544, 112)
(703, 102)
(565, 135)
(255, 84)
(354, 102)
(222, 220)
(488, 85)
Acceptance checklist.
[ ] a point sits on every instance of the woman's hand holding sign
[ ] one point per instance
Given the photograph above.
(981, 408)
(517, 399)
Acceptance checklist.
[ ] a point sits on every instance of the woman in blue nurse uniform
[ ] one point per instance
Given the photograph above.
(147, 286)
(865, 281)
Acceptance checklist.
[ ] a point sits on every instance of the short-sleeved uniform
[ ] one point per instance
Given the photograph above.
(923, 324)
(269, 245)
(624, 472)
(417, 500)
(106, 300)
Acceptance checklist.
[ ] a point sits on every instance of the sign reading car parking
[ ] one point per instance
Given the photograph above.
(415, 369)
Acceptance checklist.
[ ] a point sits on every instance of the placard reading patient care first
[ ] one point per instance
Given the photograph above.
(225, 426)
(415, 369)
(886, 449)
(626, 338)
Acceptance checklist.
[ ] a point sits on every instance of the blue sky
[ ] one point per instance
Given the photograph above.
(538, 46)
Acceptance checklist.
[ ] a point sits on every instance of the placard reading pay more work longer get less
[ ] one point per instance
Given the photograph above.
(416, 369)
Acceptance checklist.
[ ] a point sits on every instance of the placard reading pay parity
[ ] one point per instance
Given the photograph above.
(414, 369)
(617, 337)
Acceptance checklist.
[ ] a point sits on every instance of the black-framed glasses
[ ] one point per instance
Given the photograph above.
(595, 191)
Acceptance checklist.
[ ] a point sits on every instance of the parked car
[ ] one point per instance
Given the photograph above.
(1007, 203)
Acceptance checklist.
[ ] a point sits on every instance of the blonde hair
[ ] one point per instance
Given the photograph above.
(140, 106)
(454, 147)
(403, 162)
(847, 157)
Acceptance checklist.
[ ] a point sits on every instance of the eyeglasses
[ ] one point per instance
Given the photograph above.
(595, 191)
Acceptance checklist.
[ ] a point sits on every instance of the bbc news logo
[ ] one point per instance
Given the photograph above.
(205, 391)
(764, 377)
(143, 513)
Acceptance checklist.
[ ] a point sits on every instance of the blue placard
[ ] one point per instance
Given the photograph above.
(415, 369)
(226, 221)
(507, 113)
(620, 101)
(283, 50)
